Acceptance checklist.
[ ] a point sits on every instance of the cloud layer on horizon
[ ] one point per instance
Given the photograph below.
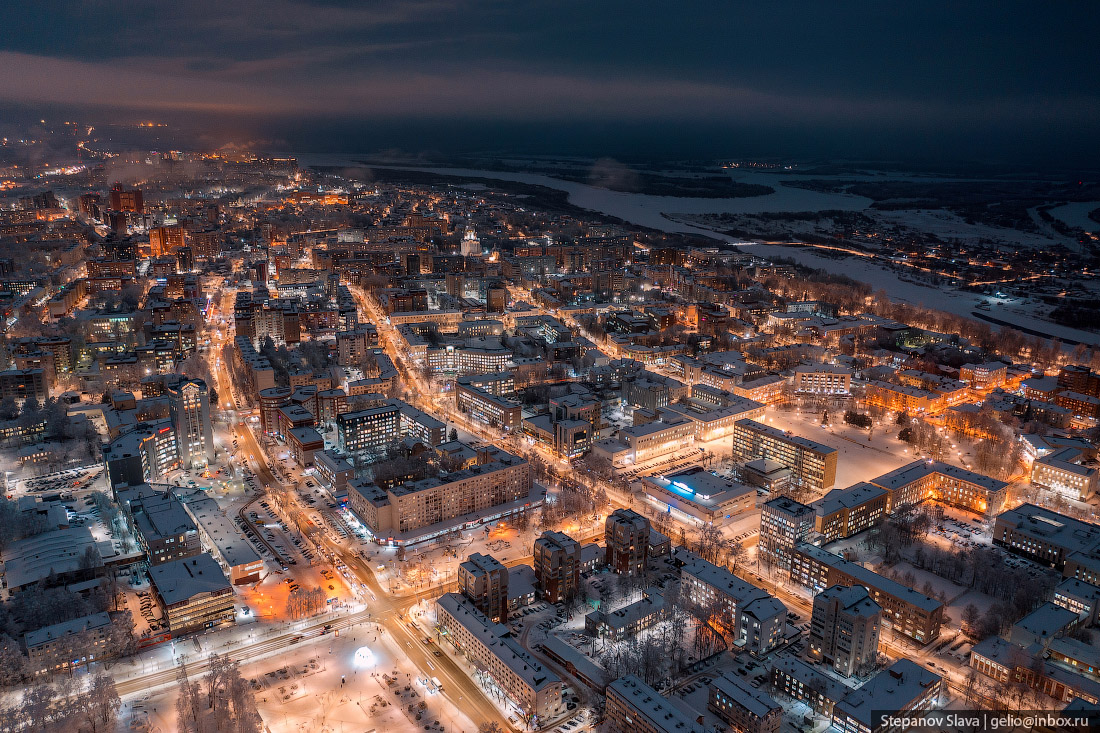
(860, 64)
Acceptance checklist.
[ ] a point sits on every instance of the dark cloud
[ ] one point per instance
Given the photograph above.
(830, 73)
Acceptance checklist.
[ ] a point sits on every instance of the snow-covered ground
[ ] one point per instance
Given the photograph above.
(1076, 214)
(332, 685)
(858, 459)
(950, 226)
(1011, 310)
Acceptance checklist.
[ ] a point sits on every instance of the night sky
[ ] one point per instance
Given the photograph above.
(951, 81)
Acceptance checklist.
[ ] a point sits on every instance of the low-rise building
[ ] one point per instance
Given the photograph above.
(192, 593)
(1045, 536)
(906, 610)
(635, 707)
(629, 620)
(535, 689)
(799, 681)
(1062, 471)
(74, 643)
(904, 687)
(696, 495)
(224, 542)
(745, 708)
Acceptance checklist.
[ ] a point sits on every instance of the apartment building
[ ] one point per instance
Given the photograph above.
(844, 628)
(163, 527)
(744, 708)
(812, 464)
(535, 689)
(485, 406)
(802, 682)
(904, 609)
(484, 581)
(497, 484)
(64, 646)
(635, 707)
(557, 561)
(365, 433)
(784, 523)
(842, 513)
(24, 384)
(904, 687)
(752, 616)
(626, 535)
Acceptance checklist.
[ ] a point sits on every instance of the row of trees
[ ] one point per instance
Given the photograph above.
(220, 701)
(73, 705)
(851, 296)
(305, 602)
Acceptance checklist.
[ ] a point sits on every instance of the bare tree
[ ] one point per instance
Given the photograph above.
(99, 707)
(13, 665)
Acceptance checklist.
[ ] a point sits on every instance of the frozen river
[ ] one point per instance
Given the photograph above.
(645, 210)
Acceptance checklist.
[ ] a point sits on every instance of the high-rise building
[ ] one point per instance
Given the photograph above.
(557, 566)
(844, 628)
(783, 524)
(484, 580)
(190, 410)
(627, 535)
(166, 240)
(131, 200)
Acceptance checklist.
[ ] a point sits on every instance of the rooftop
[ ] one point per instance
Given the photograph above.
(757, 702)
(891, 690)
(758, 427)
(180, 580)
(232, 547)
(663, 715)
(919, 469)
(846, 498)
(870, 578)
(66, 628)
(498, 640)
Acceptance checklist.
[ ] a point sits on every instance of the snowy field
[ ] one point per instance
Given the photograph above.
(858, 459)
(332, 685)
